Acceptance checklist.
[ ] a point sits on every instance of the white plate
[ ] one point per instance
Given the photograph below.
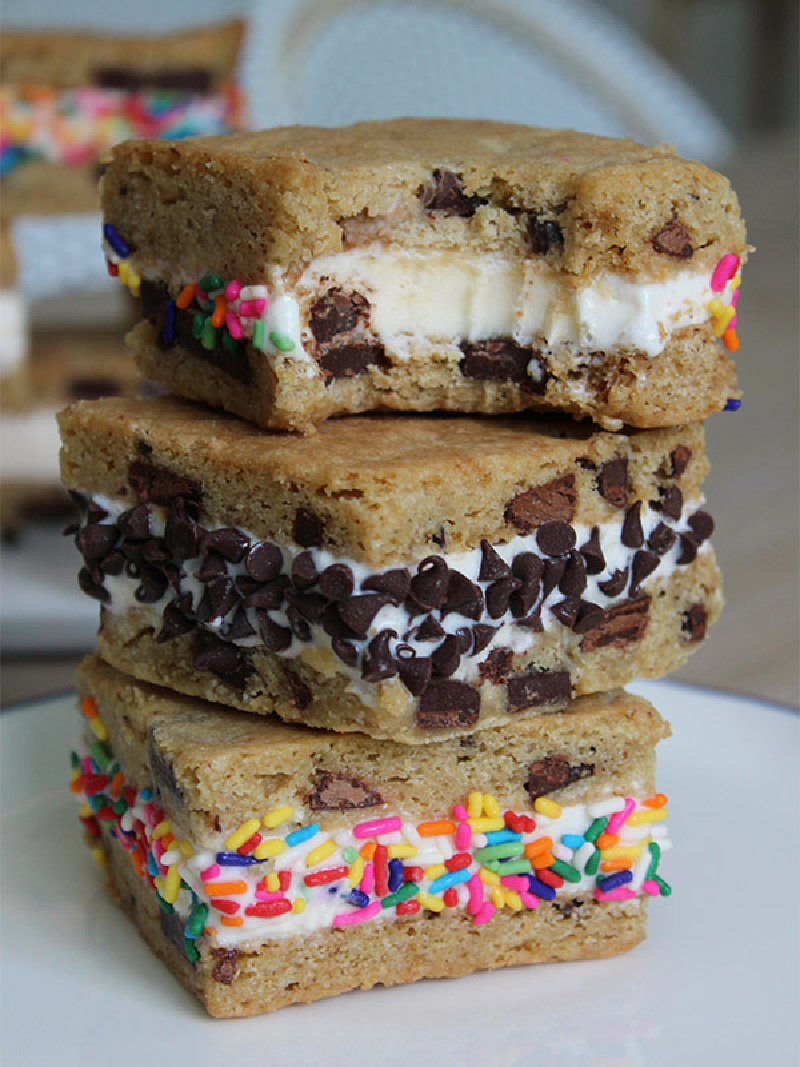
(716, 982)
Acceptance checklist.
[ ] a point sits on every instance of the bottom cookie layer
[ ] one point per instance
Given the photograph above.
(234, 983)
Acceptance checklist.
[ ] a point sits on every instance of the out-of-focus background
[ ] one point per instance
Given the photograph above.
(718, 78)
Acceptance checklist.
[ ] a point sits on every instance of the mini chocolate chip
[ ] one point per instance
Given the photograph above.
(465, 641)
(212, 654)
(267, 595)
(429, 584)
(335, 312)
(592, 553)
(702, 526)
(182, 535)
(589, 615)
(446, 657)
(492, 564)
(496, 666)
(88, 585)
(346, 652)
(532, 622)
(223, 595)
(152, 585)
(695, 622)
(498, 594)
(333, 625)
(429, 630)
(350, 360)
(264, 561)
(357, 612)
(661, 539)
(415, 673)
(448, 704)
(552, 502)
(679, 460)
(97, 540)
(308, 605)
(276, 638)
(573, 581)
(224, 970)
(688, 552)
(160, 485)
(229, 542)
(622, 625)
(113, 563)
(299, 626)
(553, 573)
(336, 582)
(521, 602)
(239, 627)
(340, 792)
(614, 585)
(501, 359)
(175, 624)
(673, 239)
(566, 610)
(612, 481)
(482, 634)
(132, 551)
(446, 194)
(552, 773)
(304, 571)
(394, 583)
(644, 563)
(670, 501)
(529, 568)
(155, 551)
(632, 535)
(213, 566)
(536, 688)
(378, 663)
(555, 538)
(308, 528)
(301, 694)
(463, 597)
(136, 523)
(543, 234)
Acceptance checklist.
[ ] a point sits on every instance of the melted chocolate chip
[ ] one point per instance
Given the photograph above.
(448, 704)
(543, 234)
(632, 535)
(612, 481)
(350, 360)
(301, 694)
(695, 622)
(537, 688)
(341, 792)
(552, 773)
(673, 239)
(264, 561)
(622, 625)
(501, 359)
(212, 654)
(224, 969)
(446, 194)
(160, 485)
(336, 312)
(552, 502)
(308, 528)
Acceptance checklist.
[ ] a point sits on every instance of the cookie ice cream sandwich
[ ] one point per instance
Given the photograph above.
(268, 864)
(416, 264)
(409, 577)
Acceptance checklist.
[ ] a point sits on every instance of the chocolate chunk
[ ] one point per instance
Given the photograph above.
(394, 583)
(357, 612)
(335, 312)
(543, 234)
(182, 535)
(276, 638)
(593, 558)
(678, 461)
(346, 652)
(446, 657)
(97, 540)
(87, 584)
(695, 622)
(622, 625)
(492, 564)
(614, 585)
(702, 526)
(429, 584)
(230, 543)
(661, 539)
(152, 585)
(644, 563)
(496, 666)
(239, 627)
(378, 663)
(553, 573)
(304, 571)
(267, 595)
(555, 538)
(308, 528)
(429, 630)
(566, 610)
(688, 552)
(447, 704)
(264, 561)
(339, 792)
(91, 388)
(299, 626)
(136, 523)
(446, 194)
(336, 582)
(223, 595)
(301, 694)
(501, 359)
(573, 581)
(552, 773)
(482, 634)
(213, 566)
(160, 485)
(673, 239)
(415, 671)
(498, 595)
(463, 597)
(632, 535)
(224, 969)
(536, 688)
(670, 502)
(612, 481)
(552, 502)
(347, 361)
(212, 654)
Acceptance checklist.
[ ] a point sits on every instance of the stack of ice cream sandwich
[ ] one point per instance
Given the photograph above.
(356, 714)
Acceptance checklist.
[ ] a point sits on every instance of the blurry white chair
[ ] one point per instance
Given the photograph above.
(543, 62)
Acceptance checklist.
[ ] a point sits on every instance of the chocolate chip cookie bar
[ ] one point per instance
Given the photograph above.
(268, 864)
(298, 273)
(66, 97)
(410, 577)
